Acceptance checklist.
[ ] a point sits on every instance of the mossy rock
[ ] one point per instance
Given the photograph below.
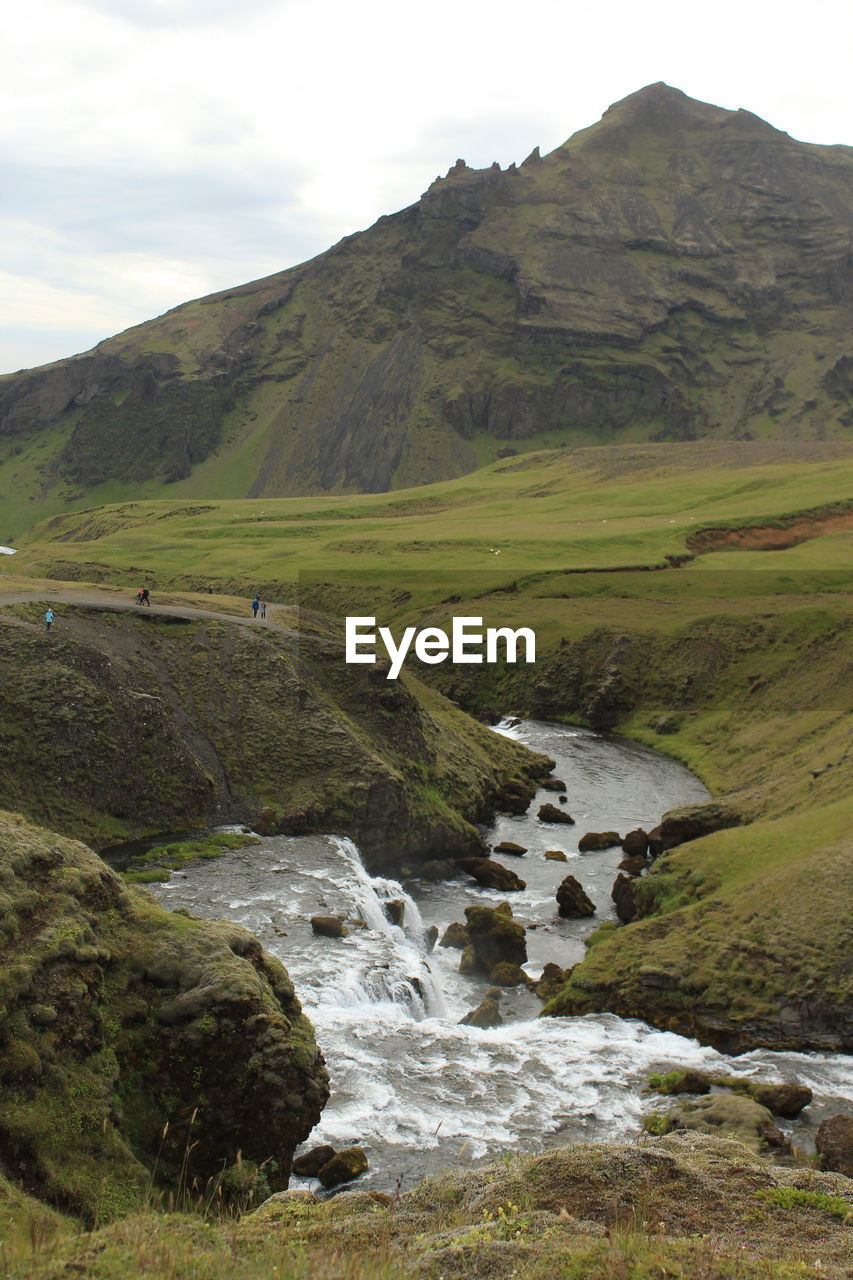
(343, 1167)
(455, 935)
(729, 1116)
(156, 1033)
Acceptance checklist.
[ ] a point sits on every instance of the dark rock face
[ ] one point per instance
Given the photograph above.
(636, 843)
(395, 910)
(550, 813)
(555, 855)
(633, 866)
(492, 874)
(438, 869)
(554, 784)
(329, 926)
(510, 847)
(670, 252)
(573, 903)
(144, 1016)
(834, 1144)
(311, 1162)
(782, 1099)
(594, 841)
(624, 898)
(495, 937)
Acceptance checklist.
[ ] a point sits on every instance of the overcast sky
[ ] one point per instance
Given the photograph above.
(157, 150)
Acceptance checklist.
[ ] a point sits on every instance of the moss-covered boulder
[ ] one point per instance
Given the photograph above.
(137, 1046)
(593, 841)
(550, 813)
(455, 935)
(343, 1167)
(495, 937)
(487, 1014)
(505, 974)
(492, 875)
(726, 1115)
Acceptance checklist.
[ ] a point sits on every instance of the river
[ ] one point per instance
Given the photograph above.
(420, 1092)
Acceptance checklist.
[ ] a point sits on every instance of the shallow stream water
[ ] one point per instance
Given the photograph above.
(420, 1092)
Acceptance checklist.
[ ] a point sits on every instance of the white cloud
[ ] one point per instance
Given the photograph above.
(224, 139)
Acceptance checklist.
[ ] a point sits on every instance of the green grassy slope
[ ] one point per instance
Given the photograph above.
(739, 662)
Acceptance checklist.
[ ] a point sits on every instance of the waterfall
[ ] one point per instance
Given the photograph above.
(406, 977)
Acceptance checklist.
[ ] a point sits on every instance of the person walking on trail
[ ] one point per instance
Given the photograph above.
(48, 620)
(263, 608)
(139, 591)
(143, 599)
(256, 604)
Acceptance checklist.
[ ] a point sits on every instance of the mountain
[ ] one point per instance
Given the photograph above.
(676, 271)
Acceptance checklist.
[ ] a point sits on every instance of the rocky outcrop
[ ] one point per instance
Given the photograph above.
(572, 901)
(344, 1166)
(495, 937)
(170, 725)
(555, 855)
(633, 866)
(510, 847)
(132, 1035)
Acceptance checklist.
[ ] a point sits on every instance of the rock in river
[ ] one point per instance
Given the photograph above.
(509, 846)
(572, 901)
(495, 937)
(550, 813)
(492, 874)
(329, 926)
(593, 841)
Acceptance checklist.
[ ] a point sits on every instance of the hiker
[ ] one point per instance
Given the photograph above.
(139, 595)
(256, 604)
(263, 608)
(143, 599)
(48, 620)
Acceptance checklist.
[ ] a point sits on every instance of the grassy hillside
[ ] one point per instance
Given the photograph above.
(737, 660)
(687, 1207)
(567, 509)
(675, 272)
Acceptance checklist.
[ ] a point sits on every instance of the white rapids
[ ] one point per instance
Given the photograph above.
(419, 1091)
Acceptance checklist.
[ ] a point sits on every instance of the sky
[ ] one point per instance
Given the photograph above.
(153, 151)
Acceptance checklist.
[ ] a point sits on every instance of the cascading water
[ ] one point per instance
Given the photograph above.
(420, 1091)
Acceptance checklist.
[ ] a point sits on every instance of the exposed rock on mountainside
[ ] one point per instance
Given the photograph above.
(120, 1019)
(675, 271)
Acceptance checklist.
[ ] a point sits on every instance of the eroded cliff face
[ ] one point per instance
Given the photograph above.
(135, 1041)
(126, 726)
(674, 272)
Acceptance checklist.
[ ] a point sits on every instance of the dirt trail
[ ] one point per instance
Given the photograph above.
(119, 603)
